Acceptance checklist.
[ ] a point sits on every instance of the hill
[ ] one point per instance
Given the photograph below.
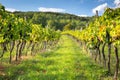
(55, 20)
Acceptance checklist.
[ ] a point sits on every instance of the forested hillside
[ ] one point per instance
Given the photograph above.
(61, 21)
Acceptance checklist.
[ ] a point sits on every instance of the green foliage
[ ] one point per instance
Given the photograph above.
(56, 21)
(67, 27)
(104, 29)
(16, 31)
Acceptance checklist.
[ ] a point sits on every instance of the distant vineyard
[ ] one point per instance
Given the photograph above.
(103, 32)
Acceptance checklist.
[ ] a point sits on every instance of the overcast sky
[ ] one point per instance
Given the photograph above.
(77, 7)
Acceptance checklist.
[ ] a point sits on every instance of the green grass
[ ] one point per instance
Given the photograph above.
(66, 62)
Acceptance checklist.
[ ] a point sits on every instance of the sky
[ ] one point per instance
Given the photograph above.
(77, 7)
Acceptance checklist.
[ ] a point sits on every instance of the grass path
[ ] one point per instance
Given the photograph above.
(66, 62)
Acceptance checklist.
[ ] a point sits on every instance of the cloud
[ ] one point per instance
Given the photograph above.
(11, 9)
(43, 9)
(100, 8)
(83, 15)
(117, 3)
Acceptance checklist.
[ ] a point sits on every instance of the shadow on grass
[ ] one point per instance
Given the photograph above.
(34, 71)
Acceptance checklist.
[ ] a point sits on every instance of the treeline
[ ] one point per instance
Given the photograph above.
(102, 39)
(20, 37)
(61, 21)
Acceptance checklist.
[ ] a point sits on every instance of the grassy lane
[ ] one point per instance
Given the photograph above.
(66, 62)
